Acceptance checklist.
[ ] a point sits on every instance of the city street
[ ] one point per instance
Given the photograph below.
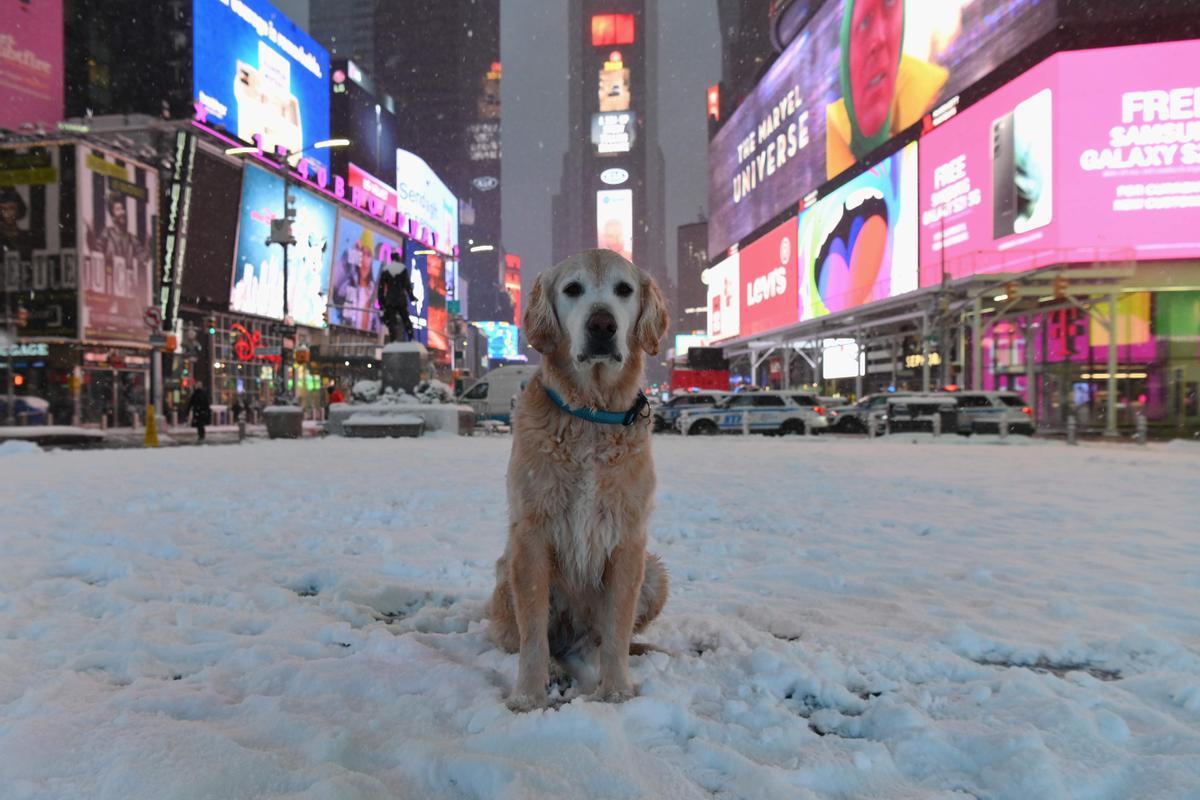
(847, 619)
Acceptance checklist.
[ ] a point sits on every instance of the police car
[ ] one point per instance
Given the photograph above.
(668, 412)
(982, 412)
(772, 412)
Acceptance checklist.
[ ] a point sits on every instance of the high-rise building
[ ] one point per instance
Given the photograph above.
(746, 49)
(690, 312)
(346, 27)
(612, 191)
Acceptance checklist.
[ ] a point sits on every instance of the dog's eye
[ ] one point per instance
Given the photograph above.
(623, 289)
(573, 289)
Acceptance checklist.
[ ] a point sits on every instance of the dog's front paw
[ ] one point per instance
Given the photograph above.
(520, 702)
(614, 693)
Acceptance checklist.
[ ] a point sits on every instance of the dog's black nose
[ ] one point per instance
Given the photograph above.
(602, 325)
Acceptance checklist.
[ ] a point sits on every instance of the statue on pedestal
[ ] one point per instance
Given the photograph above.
(394, 294)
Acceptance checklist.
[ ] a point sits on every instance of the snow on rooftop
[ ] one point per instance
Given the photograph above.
(848, 619)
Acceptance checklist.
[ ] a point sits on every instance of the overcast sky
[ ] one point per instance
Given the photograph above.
(533, 45)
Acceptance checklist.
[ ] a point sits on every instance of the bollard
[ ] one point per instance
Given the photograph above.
(1003, 427)
(937, 424)
(871, 426)
(1140, 429)
(1072, 429)
(104, 422)
(174, 418)
(745, 424)
(241, 429)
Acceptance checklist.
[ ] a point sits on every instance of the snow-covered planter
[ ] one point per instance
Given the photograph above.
(366, 391)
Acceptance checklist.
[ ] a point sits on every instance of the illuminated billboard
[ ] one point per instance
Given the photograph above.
(611, 29)
(614, 90)
(724, 298)
(255, 71)
(423, 198)
(859, 73)
(512, 283)
(504, 341)
(1090, 156)
(769, 275)
(31, 63)
(258, 268)
(418, 273)
(118, 237)
(858, 244)
(358, 258)
(614, 221)
(614, 132)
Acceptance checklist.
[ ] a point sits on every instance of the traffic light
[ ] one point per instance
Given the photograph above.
(212, 326)
(1060, 287)
(171, 344)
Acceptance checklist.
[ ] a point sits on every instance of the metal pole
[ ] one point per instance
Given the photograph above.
(283, 388)
(12, 343)
(156, 381)
(924, 352)
(1110, 421)
(1031, 393)
(858, 378)
(977, 345)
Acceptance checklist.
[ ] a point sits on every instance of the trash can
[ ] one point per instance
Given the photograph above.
(284, 422)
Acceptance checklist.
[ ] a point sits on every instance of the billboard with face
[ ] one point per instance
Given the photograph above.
(118, 226)
(860, 72)
(258, 268)
(769, 277)
(358, 258)
(256, 72)
(37, 237)
(1090, 156)
(31, 62)
(614, 221)
(724, 298)
(858, 244)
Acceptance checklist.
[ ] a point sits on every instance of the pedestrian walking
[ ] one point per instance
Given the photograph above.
(240, 410)
(199, 409)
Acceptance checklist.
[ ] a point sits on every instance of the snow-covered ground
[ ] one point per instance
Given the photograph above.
(848, 619)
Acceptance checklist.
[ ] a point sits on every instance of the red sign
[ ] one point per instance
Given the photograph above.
(610, 29)
(370, 194)
(247, 345)
(714, 102)
(770, 279)
(512, 283)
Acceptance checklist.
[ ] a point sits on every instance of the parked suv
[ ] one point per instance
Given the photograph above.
(667, 412)
(982, 412)
(773, 412)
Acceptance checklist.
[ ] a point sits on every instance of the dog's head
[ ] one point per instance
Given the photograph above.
(595, 313)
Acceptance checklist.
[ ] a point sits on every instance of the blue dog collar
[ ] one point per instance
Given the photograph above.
(625, 418)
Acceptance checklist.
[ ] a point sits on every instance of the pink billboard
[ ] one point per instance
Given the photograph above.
(31, 62)
(1089, 156)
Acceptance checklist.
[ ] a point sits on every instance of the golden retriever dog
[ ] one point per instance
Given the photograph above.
(575, 574)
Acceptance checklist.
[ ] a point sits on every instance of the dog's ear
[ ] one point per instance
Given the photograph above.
(652, 318)
(541, 323)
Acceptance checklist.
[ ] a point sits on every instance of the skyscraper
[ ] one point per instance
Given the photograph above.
(612, 190)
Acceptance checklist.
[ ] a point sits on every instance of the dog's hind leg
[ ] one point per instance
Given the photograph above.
(653, 595)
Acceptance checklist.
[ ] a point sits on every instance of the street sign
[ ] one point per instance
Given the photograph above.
(454, 306)
(280, 329)
(158, 340)
(152, 316)
(267, 351)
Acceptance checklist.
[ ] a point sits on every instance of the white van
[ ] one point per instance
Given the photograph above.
(494, 396)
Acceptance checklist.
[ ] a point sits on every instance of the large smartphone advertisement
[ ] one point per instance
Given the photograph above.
(859, 243)
(258, 269)
(31, 63)
(859, 73)
(769, 278)
(37, 237)
(423, 197)
(256, 72)
(358, 258)
(724, 298)
(1089, 156)
(614, 221)
(118, 225)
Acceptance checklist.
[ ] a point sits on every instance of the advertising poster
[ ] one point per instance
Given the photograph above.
(503, 340)
(258, 268)
(770, 278)
(34, 218)
(724, 298)
(31, 63)
(860, 72)
(418, 273)
(614, 91)
(614, 221)
(118, 223)
(256, 72)
(435, 281)
(859, 243)
(358, 258)
(512, 283)
(422, 196)
(1128, 156)
(211, 236)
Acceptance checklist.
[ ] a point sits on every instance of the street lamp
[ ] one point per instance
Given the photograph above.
(281, 234)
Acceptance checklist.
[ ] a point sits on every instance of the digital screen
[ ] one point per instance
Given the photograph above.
(256, 72)
(686, 341)
(368, 192)
(503, 340)
(614, 221)
(512, 283)
(31, 63)
(614, 132)
(840, 358)
(37, 238)
(418, 273)
(610, 29)
(118, 224)
(858, 244)
(358, 258)
(859, 73)
(357, 115)
(422, 196)
(614, 89)
(769, 280)
(724, 298)
(212, 235)
(258, 268)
